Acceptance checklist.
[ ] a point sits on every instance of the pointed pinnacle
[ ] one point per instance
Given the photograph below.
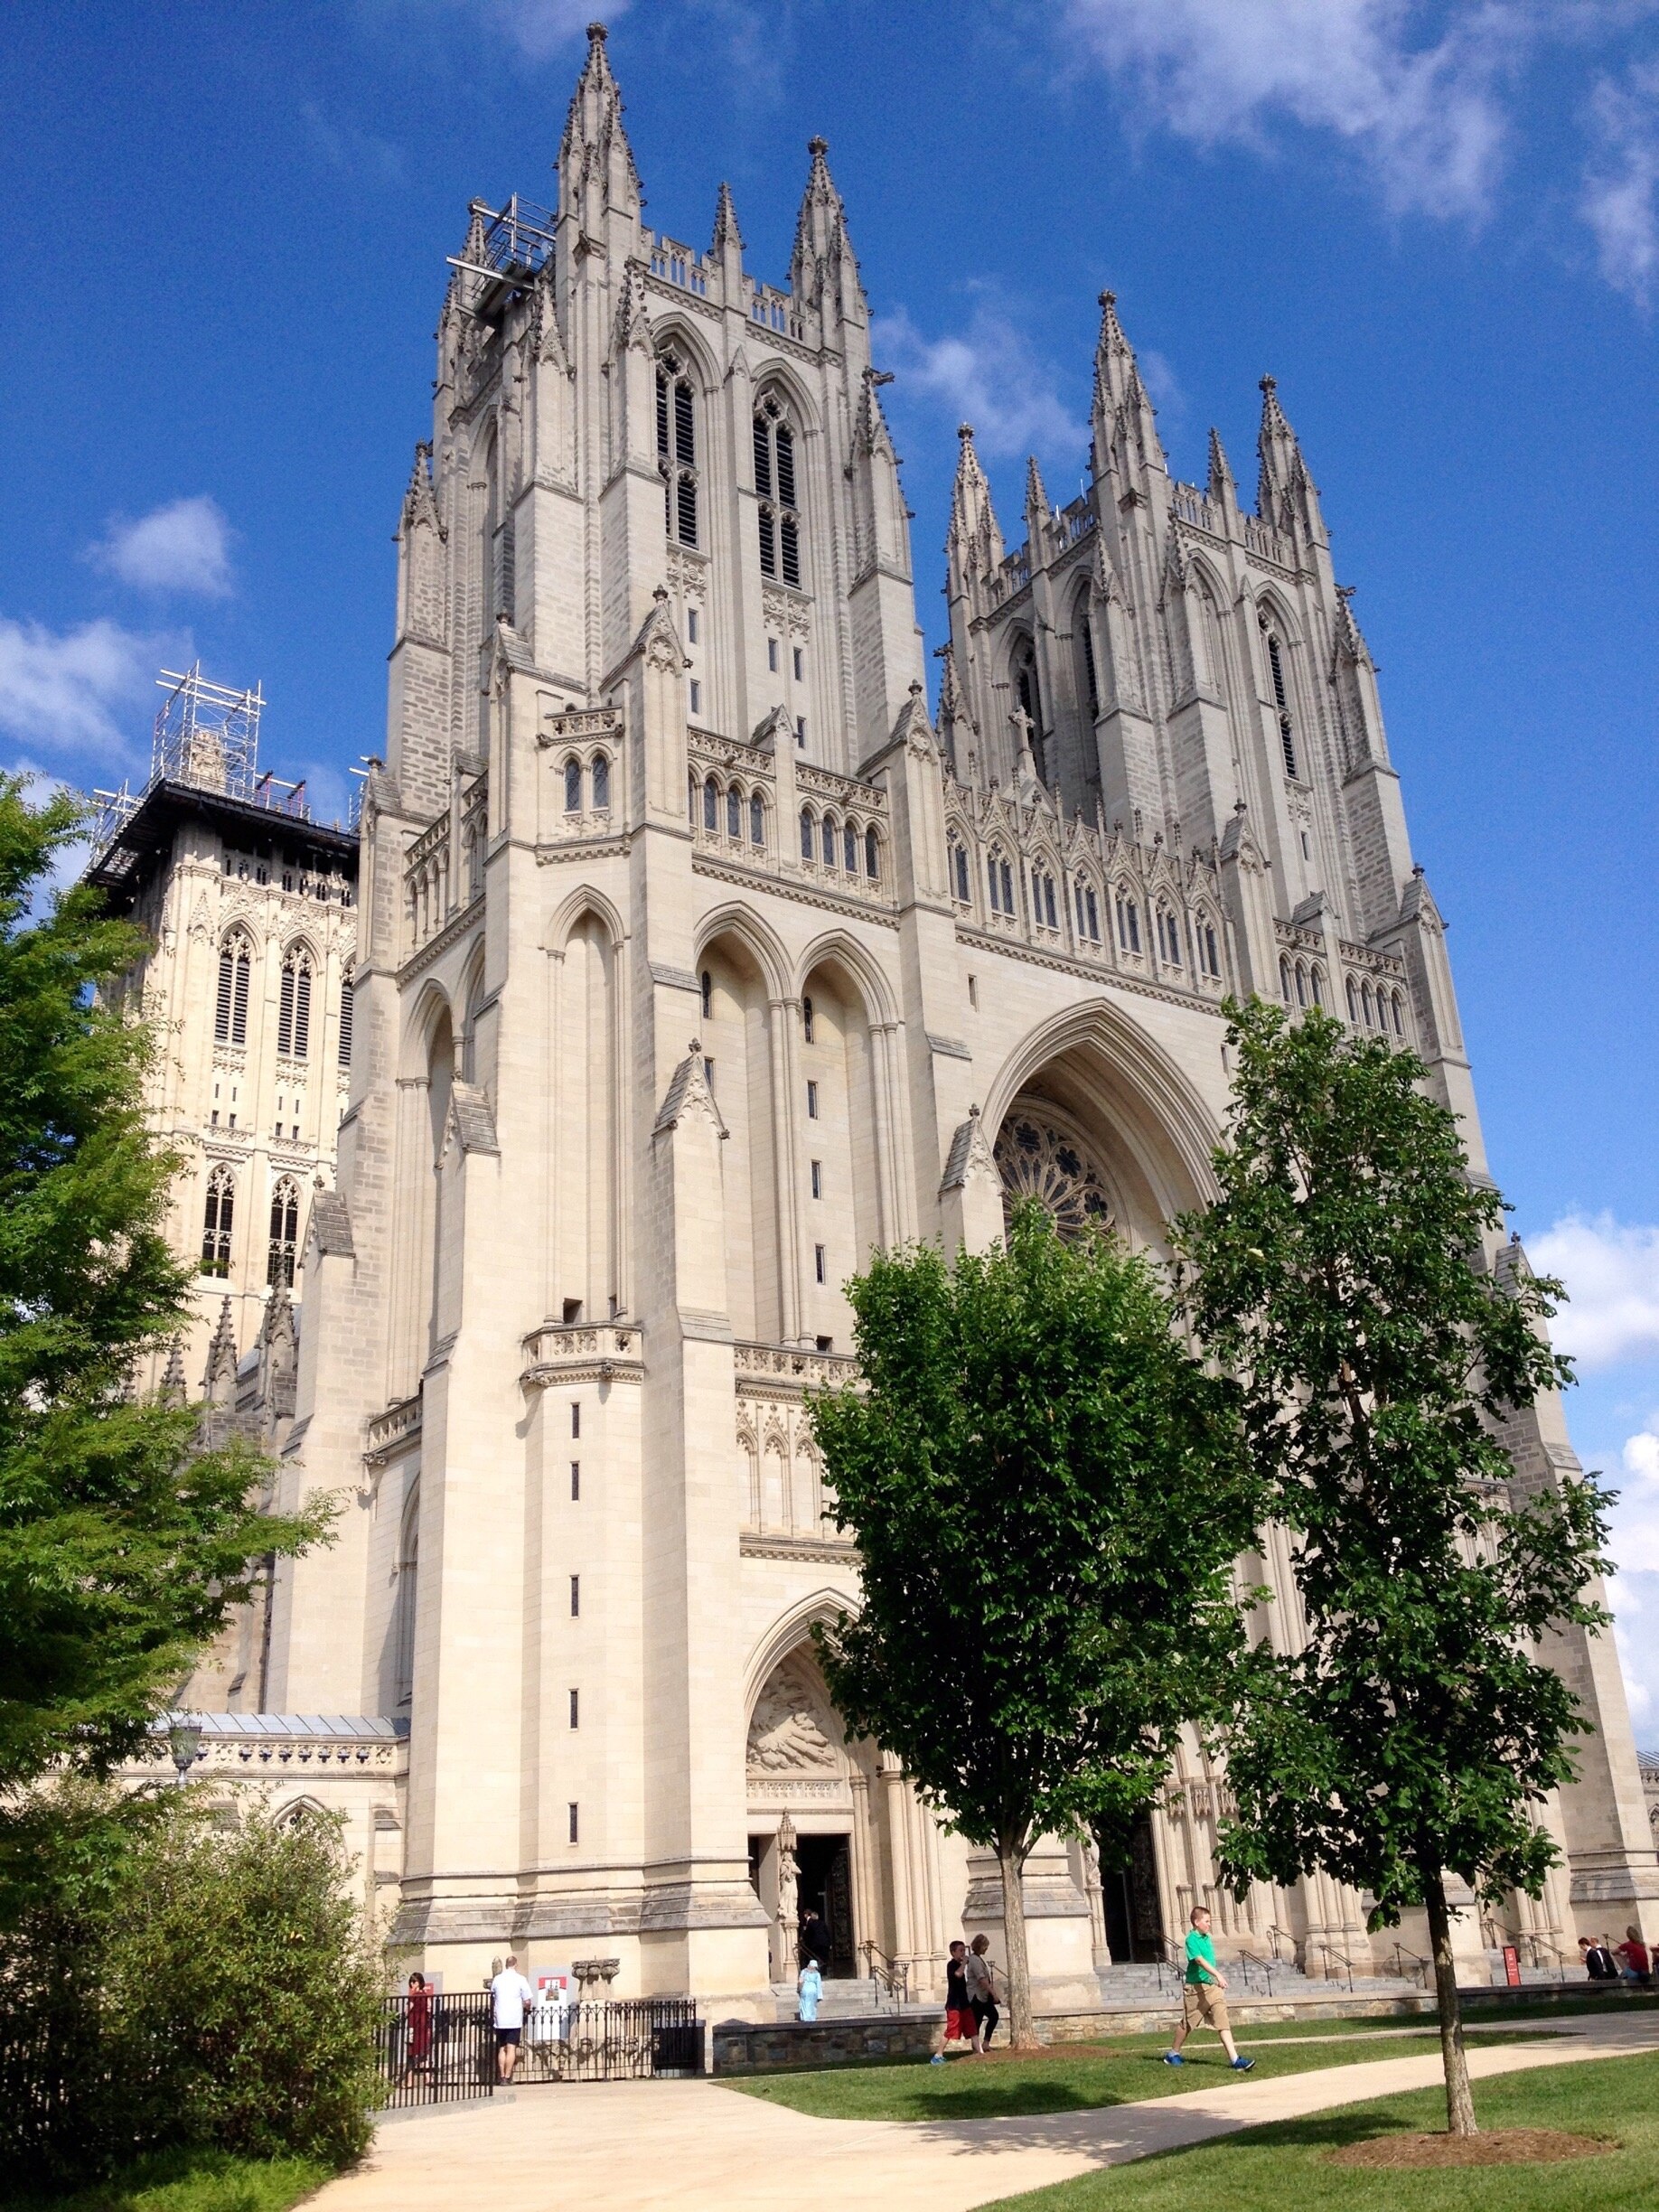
(1221, 472)
(725, 231)
(1112, 339)
(1036, 495)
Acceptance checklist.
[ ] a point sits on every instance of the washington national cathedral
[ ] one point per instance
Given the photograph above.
(692, 960)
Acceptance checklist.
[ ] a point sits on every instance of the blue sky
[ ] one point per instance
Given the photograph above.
(224, 230)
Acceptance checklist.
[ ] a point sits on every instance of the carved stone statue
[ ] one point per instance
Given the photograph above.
(785, 1928)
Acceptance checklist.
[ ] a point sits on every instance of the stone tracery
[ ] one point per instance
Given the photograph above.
(1038, 1159)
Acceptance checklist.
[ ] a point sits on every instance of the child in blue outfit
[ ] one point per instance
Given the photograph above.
(809, 1984)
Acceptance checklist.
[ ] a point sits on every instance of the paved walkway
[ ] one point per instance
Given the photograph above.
(698, 2147)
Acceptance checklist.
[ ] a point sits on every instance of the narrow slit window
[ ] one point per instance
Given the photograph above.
(348, 993)
(576, 1709)
(576, 1481)
(817, 1178)
(576, 1596)
(820, 1266)
(811, 1101)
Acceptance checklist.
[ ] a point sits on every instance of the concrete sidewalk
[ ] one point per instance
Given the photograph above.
(700, 2147)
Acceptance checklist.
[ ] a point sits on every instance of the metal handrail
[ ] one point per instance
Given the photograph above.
(1341, 1958)
(893, 1974)
(1419, 1964)
(1273, 1936)
(1247, 1959)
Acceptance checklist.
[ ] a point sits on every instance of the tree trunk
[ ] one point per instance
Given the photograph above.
(1459, 2100)
(1021, 2028)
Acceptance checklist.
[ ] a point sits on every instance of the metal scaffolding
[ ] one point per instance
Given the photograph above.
(207, 735)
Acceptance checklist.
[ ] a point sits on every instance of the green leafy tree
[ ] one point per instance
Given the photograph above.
(122, 1549)
(167, 1980)
(1047, 1494)
(1343, 1280)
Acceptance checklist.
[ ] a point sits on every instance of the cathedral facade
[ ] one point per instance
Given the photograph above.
(695, 960)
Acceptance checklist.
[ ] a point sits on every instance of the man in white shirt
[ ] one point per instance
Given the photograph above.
(509, 1992)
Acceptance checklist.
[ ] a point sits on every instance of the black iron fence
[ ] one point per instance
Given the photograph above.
(445, 2047)
(435, 2048)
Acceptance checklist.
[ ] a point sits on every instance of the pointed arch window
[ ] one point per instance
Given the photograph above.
(775, 485)
(806, 833)
(1394, 1009)
(706, 982)
(829, 841)
(408, 1584)
(348, 993)
(1353, 1004)
(849, 849)
(757, 818)
(1207, 949)
(711, 804)
(216, 1223)
(1088, 913)
(677, 448)
(1092, 687)
(285, 1235)
(293, 1008)
(1168, 938)
(1367, 1005)
(1128, 923)
(230, 1015)
(1043, 910)
(1281, 701)
(573, 786)
(872, 856)
(959, 872)
(1284, 981)
(1001, 877)
(733, 812)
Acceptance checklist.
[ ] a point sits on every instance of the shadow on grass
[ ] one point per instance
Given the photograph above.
(182, 2180)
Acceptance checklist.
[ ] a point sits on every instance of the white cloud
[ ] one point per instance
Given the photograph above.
(1621, 178)
(989, 375)
(184, 546)
(1634, 1596)
(1612, 1276)
(62, 688)
(1425, 116)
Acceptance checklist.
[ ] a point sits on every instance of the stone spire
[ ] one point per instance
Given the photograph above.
(1221, 485)
(597, 172)
(973, 540)
(1286, 494)
(220, 1380)
(173, 1389)
(725, 231)
(419, 503)
(1122, 412)
(823, 264)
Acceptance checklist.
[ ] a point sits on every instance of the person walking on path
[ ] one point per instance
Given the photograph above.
(509, 1992)
(810, 1986)
(1203, 2003)
(959, 2024)
(980, 1977)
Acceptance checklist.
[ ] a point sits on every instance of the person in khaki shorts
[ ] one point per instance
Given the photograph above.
(1203, 2003)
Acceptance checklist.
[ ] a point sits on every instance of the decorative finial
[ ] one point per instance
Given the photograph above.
(915, 687)
(817, 145)
(661, 595)
(597, 34)
(965, 432)
(695, 1046)
(1107, 299)
(1268, 384)
(973, 1113)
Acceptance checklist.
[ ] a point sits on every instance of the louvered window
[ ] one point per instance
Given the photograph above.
(775, 483)
(293, 1008)
(347, 994)
(677, 449)
(230, 1017)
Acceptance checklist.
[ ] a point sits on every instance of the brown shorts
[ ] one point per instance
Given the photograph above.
(1203, 2006)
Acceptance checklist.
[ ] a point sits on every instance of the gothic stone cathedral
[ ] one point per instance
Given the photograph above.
(693, 962)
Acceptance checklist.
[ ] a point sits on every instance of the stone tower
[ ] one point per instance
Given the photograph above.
(694, 964)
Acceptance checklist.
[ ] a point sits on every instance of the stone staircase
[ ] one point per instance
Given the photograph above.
(855, 1999)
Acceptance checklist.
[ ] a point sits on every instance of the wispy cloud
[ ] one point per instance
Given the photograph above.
(1425, 116)
(183, 545)
(1611, 1270)
(349, 150)
(989, 374)
(65, 690)
(1621, 179)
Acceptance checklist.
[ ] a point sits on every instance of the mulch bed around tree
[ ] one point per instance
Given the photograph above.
(1495, 2147)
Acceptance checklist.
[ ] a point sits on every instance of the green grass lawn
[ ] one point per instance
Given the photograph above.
(189, 2182)
(1067, 2078)
(1268, 2169)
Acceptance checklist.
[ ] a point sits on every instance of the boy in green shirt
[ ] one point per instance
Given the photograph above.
(1202, 2004)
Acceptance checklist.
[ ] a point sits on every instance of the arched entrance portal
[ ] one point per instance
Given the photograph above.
(809, 1844)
